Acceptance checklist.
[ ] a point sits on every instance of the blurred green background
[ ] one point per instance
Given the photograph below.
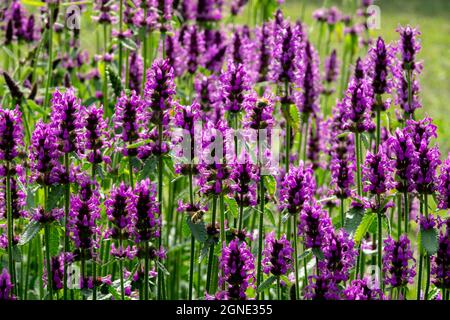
(432, 17)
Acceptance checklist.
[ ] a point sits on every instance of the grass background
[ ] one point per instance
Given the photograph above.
(433, 19)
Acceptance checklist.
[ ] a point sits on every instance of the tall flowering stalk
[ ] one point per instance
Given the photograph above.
(158, 94)
(378, 178)
(11, 143)
(297, 191)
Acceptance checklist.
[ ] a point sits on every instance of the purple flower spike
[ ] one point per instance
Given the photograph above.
(310, 82)
(147, 223)
(277, 255)
(409, 47)
(136, 72)
(6, 286)
(159, 90)
(235, 83)
(339, 256)
(237, 265)
(342, 166)
(128, 119)
(401, 147)
(44, 155)
(398, 262)
(440, 269)
(297, 188)
(380, 63)
(209, 10)
(331, 67)
(65, 112)
(92, 138)
(378, 173)
(11, 133)
(361, 289)
(321, 287)
(444, 185)
(244, 177)
(121, 211)
(264, 37)
(314, 225)
(194, 43)
(259, 113)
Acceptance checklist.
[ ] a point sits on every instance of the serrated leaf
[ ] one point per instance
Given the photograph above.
(318, 253)
(429, 241)
(365, 140)
(271, 184)
(364, 226)
(304, 254)
(353, 219)
(232, 206)
(31, 230)
(270, 216)
(128, 43)
(266, 284)
(198, 230)
(115, 81)
(294, 116)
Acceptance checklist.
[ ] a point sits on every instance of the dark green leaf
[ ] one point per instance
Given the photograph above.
(318, 253)
(429, 240)
(162, 268)
(198, 230)
(266, 284)
(17, 254)
(115, 81)
(54, 240)
(364, 226)
(31, 230)
(232, 206)
(129, 44)
(270, 184)
(54, 196)
(353, 219)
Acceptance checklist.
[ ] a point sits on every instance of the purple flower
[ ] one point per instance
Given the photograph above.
(194, 44)
(147, 222)
(237, 265)
(206, 94)
(42, 216)
(6, 286)
(316, 143)
(176, 55)
(44, 155)
(331, 67)
(128, 119)
(11, 133)
(409, 47)
(244, 177)
(121, 211)
(286, 60)
(235, 83)
(297, 188)
(361, 289)
(82, 223)
(339, 256)
(188, 9)
(64, 117)
(321, 287)
(421, 133)
(159, 90)
(427, 223)
(135, 72)
(378, 173)
(342, 166)
(380, 62)
(236, 6)
(444, 185)
(259, 113)
(105, 9)
(277, 255)
(314, 225)
(310, 82)
(398, 262)
(209, 10)
(402, 149)
(264, 37)
(440, 269)
(402, 97)
(18, 196)
(57, 266)
(357, 102)
(92, 138)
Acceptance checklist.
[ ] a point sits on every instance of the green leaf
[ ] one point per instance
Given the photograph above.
(162, 268)
(232, 206)
(266, 284)
(364, 226)
(138, 144)
(429, 240)
(129, 44)
(318, 253)
(353, 219)
(34, 3)
(294, 116)
(54, 196)
(304, 254)
(53, 240)
(270, 216)
(31, 230)
(115, 81)
(198, 230)
(270, 184)
(285, 218)
(365, 140)
(17, 254)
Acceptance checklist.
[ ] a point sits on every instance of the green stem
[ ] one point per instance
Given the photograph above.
(378, 129)
(406, 208)
(48, 261)
(191, 267)
(211, 248)
(427, 257)
(294, 239)
(358, 162)
(146, 271)
(380, 237)
(130, 168)
(10, 222)
(66, 213)
(261, 231)
(399, 215)
(94, 263)
(342, 213)
(105, 79)
(120, 42)
(50, 56)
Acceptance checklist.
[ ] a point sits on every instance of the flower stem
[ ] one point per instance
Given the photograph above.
(294, 239)
(406, 208)
(427, 257)
(10, 222)
(48, 261)
(377, 145)
(342, 213)
(191, 267)
(211, 249)
(260, 231)
(120, 36)
(105, 80)
(358, 162)
(380, 237)
(66, 213)
(146, 271)
(50, 56)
